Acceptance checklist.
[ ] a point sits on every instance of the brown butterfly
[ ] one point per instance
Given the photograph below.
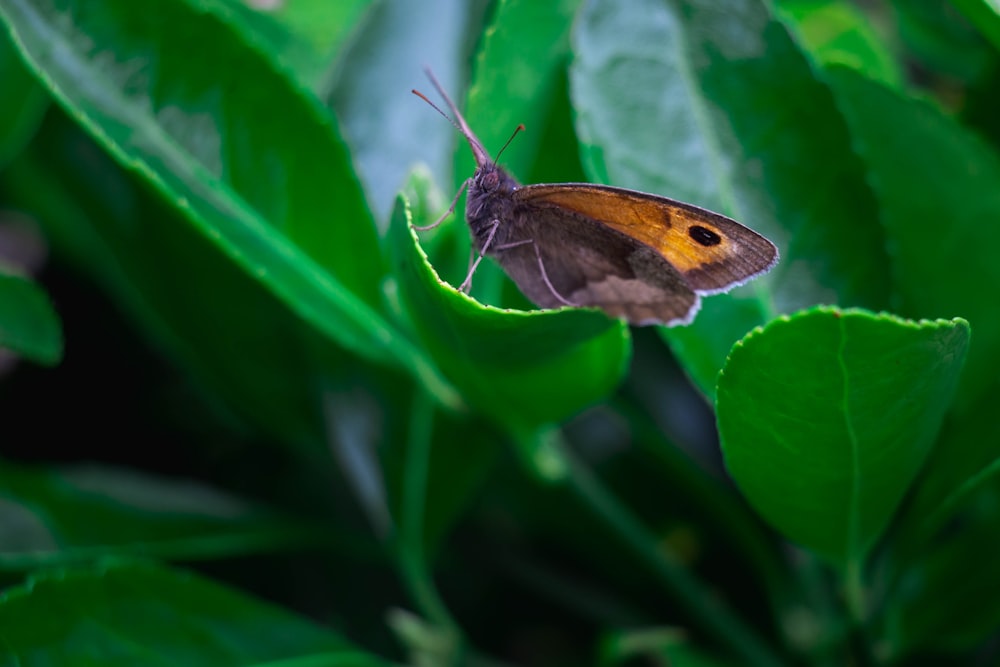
(638, 256)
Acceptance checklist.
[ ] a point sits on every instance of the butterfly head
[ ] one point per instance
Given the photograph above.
(489, 191)
(490, 179)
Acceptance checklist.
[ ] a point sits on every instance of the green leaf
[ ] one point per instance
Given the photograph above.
(936, 186)
(73, 514)
(523, 369)
(322, 26)
(29, 325)
(669, 646)
(434, 474)
(304, 37)
(209, 144)
(965, 463)
(826, 417)
(949, 599)
(135, 613)
(177, 128)
(388, 128)
(840, 32)
(171, 280)
(941, 41)
(984, 14)
(719, 108)
(516, 69)
(22, 101)
(558, 156)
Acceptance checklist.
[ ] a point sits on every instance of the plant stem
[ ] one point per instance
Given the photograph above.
(703, 604)
(854, 599)
(854, 592)
(410, 542)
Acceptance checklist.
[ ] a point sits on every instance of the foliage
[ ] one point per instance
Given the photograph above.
(269, 377)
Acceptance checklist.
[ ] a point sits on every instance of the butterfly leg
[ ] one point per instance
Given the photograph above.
(451, 209)
(545, 277)
(541, 267)
(466, 285)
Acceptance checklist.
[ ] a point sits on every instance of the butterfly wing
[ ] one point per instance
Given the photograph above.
(711, 252)
(587, 263)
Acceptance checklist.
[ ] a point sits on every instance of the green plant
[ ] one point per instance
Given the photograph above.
(441, 480)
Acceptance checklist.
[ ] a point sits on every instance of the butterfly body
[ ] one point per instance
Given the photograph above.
(637, 256)
(489, 200)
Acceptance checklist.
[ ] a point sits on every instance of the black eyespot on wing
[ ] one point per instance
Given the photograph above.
(704, 236)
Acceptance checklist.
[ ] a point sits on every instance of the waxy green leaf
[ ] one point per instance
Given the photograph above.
(826, 417)
(510, 365)
(718, 108)
(29, 325)
(936, 187)
(122, 613)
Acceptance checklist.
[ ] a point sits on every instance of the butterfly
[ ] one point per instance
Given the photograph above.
(641, 257)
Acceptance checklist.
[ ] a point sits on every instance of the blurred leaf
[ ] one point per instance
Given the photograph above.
(965, 460)
(840, 32)
(77, 513)
(827, 455)
(660, 646)
(223, 152)
(323, 26)
(714, 508)
(940, 39)
(136, 613)
(950, 598)
(463, 452)
(29, 326)
(172, 281)
(224, 164)
(666, 568)
(438, 640)
(558, 155)
(522, 369)
(388, 128)
(729, 115)
(516, 71)
(979, 104)
(937, 189)
(305, 36)
(984, 14)
(22, 101)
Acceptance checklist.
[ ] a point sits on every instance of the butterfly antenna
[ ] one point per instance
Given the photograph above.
(482, 157)
(519, 128)
(436, 108)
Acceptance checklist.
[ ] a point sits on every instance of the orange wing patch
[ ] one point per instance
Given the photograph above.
(671, 228)
(712, 251)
